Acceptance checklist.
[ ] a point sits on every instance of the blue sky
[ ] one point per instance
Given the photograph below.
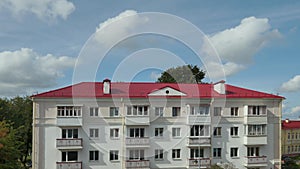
(257, 42)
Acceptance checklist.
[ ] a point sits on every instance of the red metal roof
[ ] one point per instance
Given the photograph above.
(141, 90)
(291, 124)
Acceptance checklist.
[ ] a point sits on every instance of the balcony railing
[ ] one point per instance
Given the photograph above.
(68, 165)
(199, 119)
(256, 160)
(137, 141)
(69, 121)
(69, 143)
(255, 139)
(198, 141)
(137, 164)
(137, 120)
(202, 162)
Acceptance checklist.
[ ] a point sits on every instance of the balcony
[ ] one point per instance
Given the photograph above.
(256, 119)
(137, 141)
(141, 164)
(258, 161)
(68, 165)
(197, 119)
(199, 142)
(255, 140)
(69, 121)
(199, 162)
(137, 120)
(75, 143)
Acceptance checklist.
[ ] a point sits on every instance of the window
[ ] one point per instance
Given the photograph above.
(257, 110)
(257, 130)
(69, 133)
(196, 153)
(289, 136)
(69, 156)
(136, 132)
(94, 133)
(234, 131)
(199, 130)
(159, 154)
(113, 155)
(175, 153)
(68, 111)
(137, 110)
(252, 151)
(292, 136)
(136, 154)
(114, 111)
(159, 111)
(94, 155)
(114, 133)
(234, 152)
(217, 152)
(159, 132)
(199, 110)
(217, 111)
(175, 132)
(94, 111)
(175, 111)
(217, 131)
(234, 111)
(288, 149)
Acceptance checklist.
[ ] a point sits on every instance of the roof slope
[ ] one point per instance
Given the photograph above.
(141, 90)
(290, 124)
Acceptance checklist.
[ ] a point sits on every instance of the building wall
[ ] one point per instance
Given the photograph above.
(46, 131)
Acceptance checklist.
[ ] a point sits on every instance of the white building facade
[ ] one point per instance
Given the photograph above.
(150, 125)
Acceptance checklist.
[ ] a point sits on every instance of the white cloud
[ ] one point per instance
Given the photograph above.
(24, 70)
(155, 75)
(295, 110)
(292, 85)
(238, 45)
(123, 26)
(43, 9)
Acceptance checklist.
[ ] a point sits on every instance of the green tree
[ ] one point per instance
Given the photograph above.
(9, 147)
(182, 74)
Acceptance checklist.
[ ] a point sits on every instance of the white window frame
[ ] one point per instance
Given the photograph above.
(69, 133)
(136, 154)
(257, 130)
(94, 155)
(202, 110)
(234, 152)
(257, 110)
(234, 131)
(217, 152)
(234, 111)
(176, 111)
(67, 156)
(69, 111)
(94, 111)
(217, 131)
(253, 151)
(176, 132)
(196, 153)
(159, 132)
(159, 154)
(138, 110)
(114, 112)
(114, 155)
(200, 131)
(217, 111)
(114, 133)
(94, 133)
(176, 153)
(159, 111)
(138, 132)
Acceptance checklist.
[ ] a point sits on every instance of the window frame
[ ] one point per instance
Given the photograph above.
(94, 155)
(176, 153)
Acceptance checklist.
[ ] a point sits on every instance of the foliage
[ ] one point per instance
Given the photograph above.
(215, 166)
(16, 116)
(182, 74)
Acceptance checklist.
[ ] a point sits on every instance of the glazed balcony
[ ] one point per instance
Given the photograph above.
(69, 121)
(73, 143)
(69, 165)
(137, 120)
(193, 141)
(137, 141)
(141, 164)
(199, 162)
(198, 119)
(257, 161)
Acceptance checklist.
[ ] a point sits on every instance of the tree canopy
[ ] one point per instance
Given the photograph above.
(182, 74)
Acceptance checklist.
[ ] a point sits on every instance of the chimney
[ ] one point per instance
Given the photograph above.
(106, 86)
(220, 87)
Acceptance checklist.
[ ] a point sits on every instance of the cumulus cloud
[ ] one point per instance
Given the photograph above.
(295, 110)
(237, 46)
(24, 70)
(292, 85)
(43, 9)
(123, 26)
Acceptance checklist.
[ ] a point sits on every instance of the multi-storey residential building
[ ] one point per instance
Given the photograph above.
(290, 140)
(155, 125)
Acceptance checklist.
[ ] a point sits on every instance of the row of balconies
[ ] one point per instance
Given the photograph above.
(192, 163)
(76, 143)
(145, 120)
